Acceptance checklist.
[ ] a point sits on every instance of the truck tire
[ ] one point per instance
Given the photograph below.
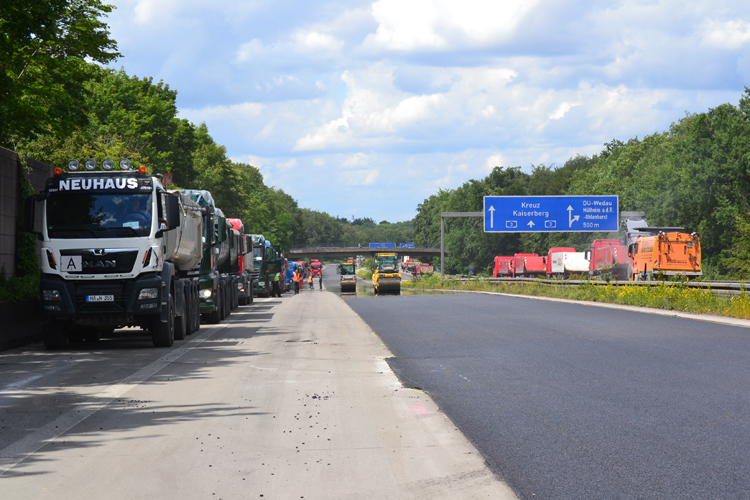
(189, 308)
(162, 334)
(181, 321)
(215, 317)
(223, 307)
(54, 336)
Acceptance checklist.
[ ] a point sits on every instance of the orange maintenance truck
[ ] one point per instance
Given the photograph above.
(669, 253)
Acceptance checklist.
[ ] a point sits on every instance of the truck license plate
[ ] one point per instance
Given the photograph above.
(100, 298)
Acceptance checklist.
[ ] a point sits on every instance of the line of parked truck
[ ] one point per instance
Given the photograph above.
(119, 250)
(645, 252)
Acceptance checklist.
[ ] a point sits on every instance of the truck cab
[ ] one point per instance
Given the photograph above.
(106, 260)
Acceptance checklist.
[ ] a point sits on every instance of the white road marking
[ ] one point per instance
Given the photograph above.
(11, 388)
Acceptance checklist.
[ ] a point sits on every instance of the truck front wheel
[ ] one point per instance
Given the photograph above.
(181, 321)
(214, 317)
(162, 333)
(196, 311)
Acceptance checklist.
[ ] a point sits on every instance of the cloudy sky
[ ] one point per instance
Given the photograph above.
(366, 108)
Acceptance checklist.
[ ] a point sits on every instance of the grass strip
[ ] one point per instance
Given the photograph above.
(672, 296)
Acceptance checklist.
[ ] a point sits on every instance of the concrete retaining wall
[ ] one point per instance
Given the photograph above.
(20, 321)
(9, 203)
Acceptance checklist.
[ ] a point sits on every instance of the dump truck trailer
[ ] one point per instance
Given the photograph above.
(529, 264)
(214, 301)
(503, 267)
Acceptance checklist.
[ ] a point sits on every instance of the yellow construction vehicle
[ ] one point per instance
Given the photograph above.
(385, 275)
(348, 280)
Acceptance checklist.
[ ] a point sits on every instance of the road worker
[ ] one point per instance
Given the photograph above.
(309, 280)
(297, 281)
(276, 287)
(320, 281)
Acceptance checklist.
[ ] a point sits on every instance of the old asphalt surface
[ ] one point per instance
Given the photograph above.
(289, 398)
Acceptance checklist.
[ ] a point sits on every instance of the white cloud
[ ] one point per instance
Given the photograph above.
(355, 160)
(234, 111)
(729, 35)
(489, 111)
(562, 109)
(444, 24)
(359, 177)
(431, 92)
(287, 164)
(312, 41)
(301, 43)
(253, 160)
(371, 112)
(162, 12)
(493, 161)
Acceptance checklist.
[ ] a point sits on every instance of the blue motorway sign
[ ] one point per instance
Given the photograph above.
(549, 214)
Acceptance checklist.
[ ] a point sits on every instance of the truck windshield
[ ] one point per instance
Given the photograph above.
(258, 254)
(106, 215)
(347, 268)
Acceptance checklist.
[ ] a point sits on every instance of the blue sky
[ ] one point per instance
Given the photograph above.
(367, 108)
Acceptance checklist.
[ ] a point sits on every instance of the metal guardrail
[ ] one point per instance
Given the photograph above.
(363, 247)
(718, 288)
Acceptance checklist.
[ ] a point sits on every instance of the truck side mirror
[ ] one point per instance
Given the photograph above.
(222, 224)
(29, 214)
(587, 255)
(173, 211)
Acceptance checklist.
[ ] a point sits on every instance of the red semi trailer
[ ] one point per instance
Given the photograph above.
(503, 267)
(529, 265)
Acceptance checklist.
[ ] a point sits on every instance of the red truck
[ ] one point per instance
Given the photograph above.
(244, 266)
(529, 265)
(610, 256)
(316, 267)
(503, 267)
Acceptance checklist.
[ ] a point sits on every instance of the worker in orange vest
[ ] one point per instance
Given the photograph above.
(309, 280)
(297, 280)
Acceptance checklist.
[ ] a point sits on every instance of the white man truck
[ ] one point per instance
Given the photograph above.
(116, 250)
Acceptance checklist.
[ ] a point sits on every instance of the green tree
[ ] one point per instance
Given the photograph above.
(43, 48)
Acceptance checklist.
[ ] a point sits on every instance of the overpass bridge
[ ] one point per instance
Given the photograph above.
(328, 252)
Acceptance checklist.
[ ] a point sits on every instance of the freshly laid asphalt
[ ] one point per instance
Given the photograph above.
(569, 401)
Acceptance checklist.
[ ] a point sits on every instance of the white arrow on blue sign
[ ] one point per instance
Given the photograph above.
(539, 214)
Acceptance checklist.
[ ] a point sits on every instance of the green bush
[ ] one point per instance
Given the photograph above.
(365, 274)
(18, 288)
